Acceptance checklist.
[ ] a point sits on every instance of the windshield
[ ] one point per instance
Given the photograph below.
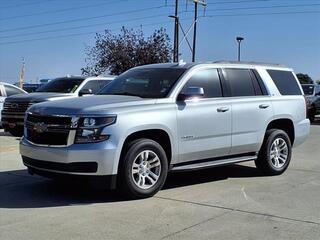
(61, 85)
(144, 82)
(308, 89)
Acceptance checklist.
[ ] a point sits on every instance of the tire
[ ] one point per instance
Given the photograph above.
(275, 154)
(17, 132)
(144, 169)
(312, 114)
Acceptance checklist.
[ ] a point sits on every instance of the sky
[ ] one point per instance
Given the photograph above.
(52, 35)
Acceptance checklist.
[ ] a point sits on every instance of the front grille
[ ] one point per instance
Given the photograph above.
(78, 167)
(48, 130)
(16, 107)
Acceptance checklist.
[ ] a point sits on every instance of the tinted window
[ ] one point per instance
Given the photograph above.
(241, 83)
(61, 85)
(285, 82)
(144, 82)
(96, 85)
(308, 89)
(207, 79)
(11, 90)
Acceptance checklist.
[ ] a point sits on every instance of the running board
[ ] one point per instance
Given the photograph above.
(211, 163)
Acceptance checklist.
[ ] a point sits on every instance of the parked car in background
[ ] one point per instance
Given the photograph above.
(7, 90)
(60, 88)
(169, 117)
(312, 94)
(31, 87)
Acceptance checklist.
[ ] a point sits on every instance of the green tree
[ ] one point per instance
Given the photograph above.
(304, 78)
(115, 54)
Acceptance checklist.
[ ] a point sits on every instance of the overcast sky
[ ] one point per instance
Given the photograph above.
(52, 34)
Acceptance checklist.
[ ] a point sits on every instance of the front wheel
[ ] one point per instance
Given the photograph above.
(275, 154)
(144, 169)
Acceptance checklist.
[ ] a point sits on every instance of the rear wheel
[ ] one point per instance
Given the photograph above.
(16, 131)
(275, 154)
(144, 169)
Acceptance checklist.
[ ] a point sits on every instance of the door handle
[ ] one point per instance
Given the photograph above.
(222, 109)
(263, 106)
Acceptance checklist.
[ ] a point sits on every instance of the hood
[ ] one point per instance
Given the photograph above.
(91, 105)
(38, 97)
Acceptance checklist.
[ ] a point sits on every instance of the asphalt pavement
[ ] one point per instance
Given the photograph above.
(233, 202)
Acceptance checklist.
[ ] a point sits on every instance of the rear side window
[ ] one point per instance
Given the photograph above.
(241, 83)
(285, 82)
(209, 80)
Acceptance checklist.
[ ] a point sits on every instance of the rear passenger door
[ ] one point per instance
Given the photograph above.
(204, 125)
(251, 109)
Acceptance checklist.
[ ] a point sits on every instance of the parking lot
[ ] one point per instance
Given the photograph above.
(233, 202)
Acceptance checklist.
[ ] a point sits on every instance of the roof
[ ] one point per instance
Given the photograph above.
(184, 65)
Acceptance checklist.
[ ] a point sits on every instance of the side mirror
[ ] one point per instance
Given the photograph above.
(191, 92)
(85, 92)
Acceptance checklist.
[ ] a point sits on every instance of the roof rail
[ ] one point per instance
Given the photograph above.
(250, 63)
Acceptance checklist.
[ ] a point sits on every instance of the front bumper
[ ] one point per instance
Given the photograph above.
(77, 159)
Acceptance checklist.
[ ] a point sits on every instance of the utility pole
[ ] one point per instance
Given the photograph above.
(176, 33)
(196, 2)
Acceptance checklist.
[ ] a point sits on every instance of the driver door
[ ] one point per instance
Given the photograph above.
(204, 124)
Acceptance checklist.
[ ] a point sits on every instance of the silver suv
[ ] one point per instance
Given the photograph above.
(169, 117)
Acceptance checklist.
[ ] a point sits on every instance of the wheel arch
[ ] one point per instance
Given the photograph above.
(159, 135)
(284, 124)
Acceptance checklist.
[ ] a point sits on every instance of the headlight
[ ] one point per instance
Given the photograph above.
(90, 129)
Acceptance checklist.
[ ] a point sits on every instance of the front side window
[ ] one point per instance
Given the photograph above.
(61, 85)
(144, 82)
(12, 90)
(209, 80)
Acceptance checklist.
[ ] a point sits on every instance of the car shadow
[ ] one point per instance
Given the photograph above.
(19, 190)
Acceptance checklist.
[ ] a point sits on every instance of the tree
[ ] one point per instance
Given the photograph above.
(304, 78)
(115, 54)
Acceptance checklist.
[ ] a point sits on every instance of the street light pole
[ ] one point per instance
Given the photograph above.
(239, 39)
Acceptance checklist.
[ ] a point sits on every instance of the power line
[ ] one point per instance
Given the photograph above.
(83, 19)
(77, 34)
(260, 14)
(265, 7)
(57, 11)
(26, 4)
(248, 1)
(83, 26)
(208, 16)
(243, 1)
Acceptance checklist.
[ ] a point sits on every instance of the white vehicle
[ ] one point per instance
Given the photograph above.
(7, 90)
(170, 117)
(60, 88)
